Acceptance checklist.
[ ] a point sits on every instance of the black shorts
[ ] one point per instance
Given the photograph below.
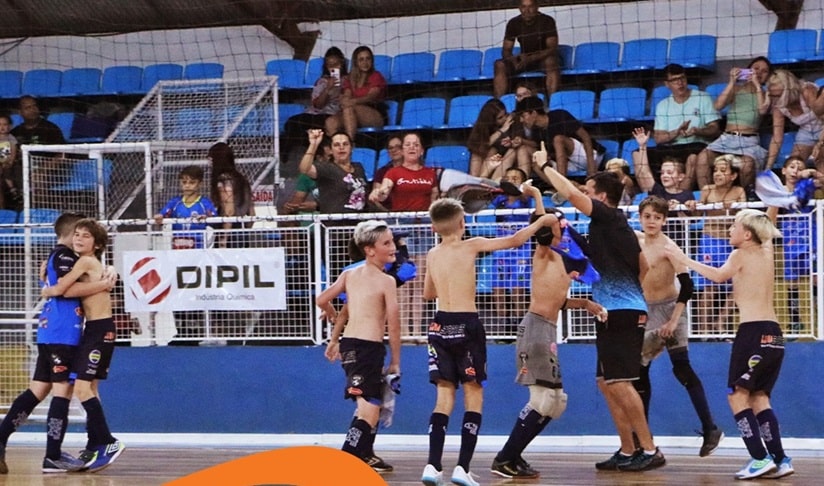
(54, 362)
(756, 357)
(96, 349)
(457, 348)
(362, 362)
(619, 342)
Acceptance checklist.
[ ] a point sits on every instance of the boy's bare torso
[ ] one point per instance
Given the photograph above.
(99, 305)
(659, 281)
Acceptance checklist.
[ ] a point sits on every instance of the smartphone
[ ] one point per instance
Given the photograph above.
(744, 74)
(335, 73)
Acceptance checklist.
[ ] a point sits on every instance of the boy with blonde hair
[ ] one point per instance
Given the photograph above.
(457, 341)
(758, 349)
(372, 306)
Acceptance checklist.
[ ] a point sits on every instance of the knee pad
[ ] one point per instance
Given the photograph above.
(684, 373)
(549, 402)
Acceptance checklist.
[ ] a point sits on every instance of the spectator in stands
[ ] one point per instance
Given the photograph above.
(537, 35)
(230, 192)
(35, 130)
(714, 247)
(326, 98)
(362, 102)
(568, 142)
(304, 199)
(341, 182)
(491, 142)
(621, 168)
(685, 122)
(8, 153)
(523, 89)
(394, 147)
(672, 174)
(802, 103)
(748, 103)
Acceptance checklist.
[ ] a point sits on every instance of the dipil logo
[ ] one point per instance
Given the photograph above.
(148, 284)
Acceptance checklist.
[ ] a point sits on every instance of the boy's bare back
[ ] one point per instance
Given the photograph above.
(368, 290)
(451, 267)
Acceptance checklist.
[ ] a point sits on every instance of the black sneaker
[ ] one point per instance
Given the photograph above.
(4, 469)
(641, 461)
(525, 466)
(613, 463)
(511, 470)
(711, 440)
(378, 465)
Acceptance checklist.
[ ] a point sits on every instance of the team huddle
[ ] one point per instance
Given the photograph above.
(634, 290)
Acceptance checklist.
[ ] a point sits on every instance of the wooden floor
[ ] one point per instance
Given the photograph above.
(154, 466)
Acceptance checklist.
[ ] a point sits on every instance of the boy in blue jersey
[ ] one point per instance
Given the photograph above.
(190, 204)
(58, 336)
(616, 254)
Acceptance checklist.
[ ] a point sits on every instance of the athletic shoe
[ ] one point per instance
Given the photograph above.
(106, 455)
(613, 462)
(463, 478)
(711, 440)
(525, 466)
(378, 464)
(785, 468)
(511, 470)
(431, 476)
(641, 461)
(4, 469)
(88, 457)
(66, 463)
(756, 467)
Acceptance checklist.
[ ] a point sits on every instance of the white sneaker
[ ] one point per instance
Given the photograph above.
(785, 468)
(463, 478)
(756, 467)
(431, 476)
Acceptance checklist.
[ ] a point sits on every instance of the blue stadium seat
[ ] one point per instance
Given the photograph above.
(622, 104)
(285, 110)
(10, 83)
(613, 148)
(819, 56)
(448, 157)
(154, 73)
(792, 46)
(491, 55)
(122, 80)
(412, 67)
(658, 94)
(291, 72)
(365, 157)
(714, 90)
(42, 82)
(819, 82)
(84, 176)
(9, 235)
(43, 234)
(191, 122)
(314, 70)
(80, 81)
(391, 116)
(644, 55)
(579, 103)
(509, 101)
(64, 120)
(420, 113)
(16, 119)
(628, 147)
(464, 110)
(595, 58)
(459, 65)
(383, 158)
(203, 70)
(383, 65)
(566, 54)
(694, 51)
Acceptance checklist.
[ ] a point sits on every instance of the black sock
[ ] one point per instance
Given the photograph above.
(644, 387)
(751, 433)
(527, 427)
(437, 435)
(18, 413)
(56, 424)
(369, 451)
(96, 425)
(357, 438)
(768, 423)
(699, 401)
(469, 438)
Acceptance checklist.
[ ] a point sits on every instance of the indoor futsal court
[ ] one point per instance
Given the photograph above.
(139, 466)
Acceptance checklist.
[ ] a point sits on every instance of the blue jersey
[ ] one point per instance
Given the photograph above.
(61, 320)
(188, 235)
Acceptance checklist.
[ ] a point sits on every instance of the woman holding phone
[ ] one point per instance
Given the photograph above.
(363, 93)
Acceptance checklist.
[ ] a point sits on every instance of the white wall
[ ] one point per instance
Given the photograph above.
(742, 27)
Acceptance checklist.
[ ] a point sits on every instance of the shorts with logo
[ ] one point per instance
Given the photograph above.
(457, 348)
(95, 351)
(536, 352)
(362, 361)
(54, 362)
(757, 354)
(618, 342)
(659, 313)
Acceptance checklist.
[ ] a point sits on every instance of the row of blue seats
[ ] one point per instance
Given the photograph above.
(114, 80)
(43, 234)
(796, 46)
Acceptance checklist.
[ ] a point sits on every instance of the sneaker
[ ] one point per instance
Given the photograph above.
(431, 476)
(711, 440)
(641, 461)
(66, 463)
(106, 455)
(378, 464)
(4, 469)
(511, 470)
(613, 462)
(756, 467)
(88, 457)
(525, 466)
(463, 478)
(785, 468)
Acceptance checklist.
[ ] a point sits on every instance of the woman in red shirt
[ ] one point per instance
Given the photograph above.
(363, 93)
